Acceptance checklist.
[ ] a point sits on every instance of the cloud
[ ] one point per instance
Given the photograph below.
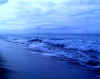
(80, 14)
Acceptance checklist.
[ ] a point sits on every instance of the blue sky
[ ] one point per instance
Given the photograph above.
(74, 15)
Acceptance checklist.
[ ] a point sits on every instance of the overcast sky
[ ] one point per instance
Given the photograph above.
(74, 15)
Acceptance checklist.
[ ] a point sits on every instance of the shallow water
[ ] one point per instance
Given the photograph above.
(22, 64)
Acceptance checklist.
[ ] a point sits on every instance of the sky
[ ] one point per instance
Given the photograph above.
(75, 16)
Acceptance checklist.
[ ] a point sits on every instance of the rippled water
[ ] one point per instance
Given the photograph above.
(82, 47)
(77, 49)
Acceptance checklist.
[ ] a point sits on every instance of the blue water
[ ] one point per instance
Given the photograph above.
(28, 56)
